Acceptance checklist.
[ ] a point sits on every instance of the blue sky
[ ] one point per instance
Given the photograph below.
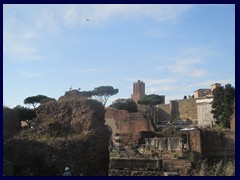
(174, 49)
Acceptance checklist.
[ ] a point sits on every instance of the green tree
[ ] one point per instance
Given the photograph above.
(185, 97)
(125, 104)
(11, 123)
(36, 100)
(24, 113)
(87, 94)
(150, 102)
(218, 104)
(103, 93)
(223, 99)
(229, 95)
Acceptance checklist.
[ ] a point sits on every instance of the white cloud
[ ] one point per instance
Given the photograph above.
(21, 50)
(182, 65)
(152, 82)
(30, 74)
(200, 51)
(101, 13)
(207, 84)
(198, 73)
(159, 89)
(38, 21)
(28, 34)
(91, 70)
(19, 42)
(187, 61)
(86, 70)
(156, 33)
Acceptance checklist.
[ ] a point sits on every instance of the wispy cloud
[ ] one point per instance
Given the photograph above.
(159, 89)
(187, 62)
(182, 66)
(20, 44)
(198, 73)
(86, 70)
(156, 33)
(50, 19)
(22, 51)
(154, 82)
(207, 84)
(30, 74)
(102, 13)
(91, 70)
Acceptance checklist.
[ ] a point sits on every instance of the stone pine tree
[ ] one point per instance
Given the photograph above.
(150, 101)
(103, 93)
(223, 99)
(36, 100)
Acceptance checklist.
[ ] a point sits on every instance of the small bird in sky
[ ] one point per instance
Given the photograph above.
(87, 19)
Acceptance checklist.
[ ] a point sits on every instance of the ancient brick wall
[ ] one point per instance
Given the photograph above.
(165, 144)
(126, 127)
(114, 172)
(196, 142)
(218, 145)
(179, 109)
(177, 164)
(164, 112)
(211, 144)
(187, 109)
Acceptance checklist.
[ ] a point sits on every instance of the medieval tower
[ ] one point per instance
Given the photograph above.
(138, 91)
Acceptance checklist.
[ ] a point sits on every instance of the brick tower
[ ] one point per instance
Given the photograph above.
(138, 91)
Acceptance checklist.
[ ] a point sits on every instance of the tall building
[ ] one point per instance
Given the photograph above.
(138, 91)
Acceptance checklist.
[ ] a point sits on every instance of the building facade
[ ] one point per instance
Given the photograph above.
(202, 93)
(204, 108)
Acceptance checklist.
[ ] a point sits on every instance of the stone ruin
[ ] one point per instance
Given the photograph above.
(68, 133)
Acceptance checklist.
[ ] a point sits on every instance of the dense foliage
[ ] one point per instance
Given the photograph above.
(24, 113)
(151, 100)
(223, 100)
(125, 104)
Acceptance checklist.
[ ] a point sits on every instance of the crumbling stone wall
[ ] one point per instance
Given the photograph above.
(69, 133)
(211, 144)
(126, 127)
(164, 112)
(165, 144)
(182, 166)
(113, 172)
(218, 145)
(195, 140)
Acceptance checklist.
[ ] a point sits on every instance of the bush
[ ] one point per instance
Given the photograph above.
(24, 113)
